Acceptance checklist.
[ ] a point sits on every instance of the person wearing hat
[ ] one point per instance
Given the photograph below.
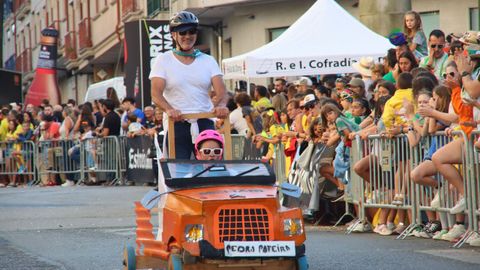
(364, 67)
(357, 86)
(399, 40)
(437, 59)
(181, 80)
(303, 84)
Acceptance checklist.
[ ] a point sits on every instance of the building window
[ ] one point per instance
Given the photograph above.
(430, 21)
(273, 33)
(474, 19)
(155, 6)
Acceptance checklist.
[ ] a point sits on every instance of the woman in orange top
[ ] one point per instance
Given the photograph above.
(446, 157)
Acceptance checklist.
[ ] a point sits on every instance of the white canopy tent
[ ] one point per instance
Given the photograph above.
(325, 40)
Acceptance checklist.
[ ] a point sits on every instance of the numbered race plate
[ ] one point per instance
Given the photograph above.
(259, 249)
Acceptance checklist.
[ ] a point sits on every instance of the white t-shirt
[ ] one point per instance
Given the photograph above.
(238, 122)
(186, 86)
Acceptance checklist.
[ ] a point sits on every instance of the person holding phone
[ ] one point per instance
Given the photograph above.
(181, 81)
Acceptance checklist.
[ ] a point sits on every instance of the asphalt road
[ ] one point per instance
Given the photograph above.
(87, 228)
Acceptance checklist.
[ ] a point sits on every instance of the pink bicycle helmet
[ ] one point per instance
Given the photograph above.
(208, 134)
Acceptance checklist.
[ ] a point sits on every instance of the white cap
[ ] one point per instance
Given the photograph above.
(303, 81)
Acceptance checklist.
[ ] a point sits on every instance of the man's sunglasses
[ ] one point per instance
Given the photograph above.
(452, 74)
(190, 32)
(433, 46)
(211, 151)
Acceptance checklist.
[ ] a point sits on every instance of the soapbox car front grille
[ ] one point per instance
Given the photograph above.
(243, 223)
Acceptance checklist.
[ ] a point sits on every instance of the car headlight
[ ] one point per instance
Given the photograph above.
(292, 226)
(194, 232)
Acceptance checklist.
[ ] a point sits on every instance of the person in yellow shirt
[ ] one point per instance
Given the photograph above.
(3, 124)
(13, 151)
(394, 120)
(263, 102)
(392, 114)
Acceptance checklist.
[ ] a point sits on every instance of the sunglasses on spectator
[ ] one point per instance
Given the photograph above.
(190, 32)
(211, 151)
(452, 74)
(433, 46)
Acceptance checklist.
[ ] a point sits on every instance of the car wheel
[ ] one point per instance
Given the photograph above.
(302, 263)
(175, 262)
(129, 260)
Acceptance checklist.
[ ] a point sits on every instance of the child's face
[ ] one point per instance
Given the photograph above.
(331, 116)
(423, 100)
(210, 150)
(410, 21)
(11, 125)
(345, 104)
(283, 118)
(404, 64)
(357, 109)
(318, 130)
(382, 92)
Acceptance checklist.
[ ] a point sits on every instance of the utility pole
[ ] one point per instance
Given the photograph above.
(383, 16)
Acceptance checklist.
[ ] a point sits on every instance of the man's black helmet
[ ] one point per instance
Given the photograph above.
(183, 21)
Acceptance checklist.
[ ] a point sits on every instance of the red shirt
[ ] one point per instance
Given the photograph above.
(53, 131)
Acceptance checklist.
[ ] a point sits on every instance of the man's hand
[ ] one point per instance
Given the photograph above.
(430, 57)
(176, 115)
(221, 112)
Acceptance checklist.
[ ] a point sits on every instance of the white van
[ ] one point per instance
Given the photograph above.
(98, 90)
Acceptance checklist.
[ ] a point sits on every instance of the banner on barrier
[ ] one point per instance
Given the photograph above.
(140, 165)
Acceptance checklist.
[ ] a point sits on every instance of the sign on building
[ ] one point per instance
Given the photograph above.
(144, 40)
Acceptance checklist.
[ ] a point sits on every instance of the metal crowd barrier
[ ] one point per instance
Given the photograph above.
(472, 185)
(392, 160)
(102, 156)
(122, 144)
(17, 159)
(53, 159)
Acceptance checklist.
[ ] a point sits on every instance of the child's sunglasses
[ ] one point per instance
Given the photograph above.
(211, 151)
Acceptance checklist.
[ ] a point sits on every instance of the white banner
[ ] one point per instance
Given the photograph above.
(259, 249)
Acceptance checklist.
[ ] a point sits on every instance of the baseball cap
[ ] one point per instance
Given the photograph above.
(357, 82)
(303, 81)
(397, 39)
(309, 100)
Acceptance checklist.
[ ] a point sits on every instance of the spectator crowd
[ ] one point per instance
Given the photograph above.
(429, 82)
(67, 123)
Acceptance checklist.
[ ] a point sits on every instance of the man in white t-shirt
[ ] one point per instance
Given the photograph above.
(181, 79)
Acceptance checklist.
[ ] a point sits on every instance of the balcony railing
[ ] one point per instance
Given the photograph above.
(21, 8)
(154, 7)
(70, 49)
(128, 6)
(131, 10)
(84, 34)
(23, 62)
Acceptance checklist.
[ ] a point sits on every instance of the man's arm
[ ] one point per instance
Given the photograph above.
(221, 111)
(158, 86)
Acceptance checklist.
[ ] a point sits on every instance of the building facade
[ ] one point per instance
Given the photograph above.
(91, 47)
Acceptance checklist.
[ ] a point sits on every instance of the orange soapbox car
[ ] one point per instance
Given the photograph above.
(218, 215)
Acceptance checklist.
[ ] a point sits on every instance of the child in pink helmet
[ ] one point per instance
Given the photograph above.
(209, 145)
